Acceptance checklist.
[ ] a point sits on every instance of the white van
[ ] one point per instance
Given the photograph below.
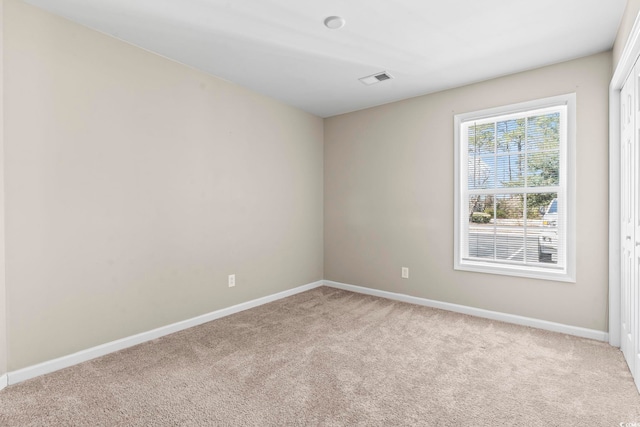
(548, 240)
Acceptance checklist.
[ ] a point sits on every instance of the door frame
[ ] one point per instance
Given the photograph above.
(629, 56)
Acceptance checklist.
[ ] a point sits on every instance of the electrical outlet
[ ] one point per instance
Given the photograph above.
(232, 280)
(405, 272)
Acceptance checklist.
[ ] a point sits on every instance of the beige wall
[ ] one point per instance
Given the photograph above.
(389, 197)
(3, 305)
(135, 185)
(628, 19)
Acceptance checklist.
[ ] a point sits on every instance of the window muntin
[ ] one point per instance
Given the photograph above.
(512, 199)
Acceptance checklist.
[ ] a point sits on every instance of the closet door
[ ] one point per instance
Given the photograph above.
(627, 169)
(635, 286)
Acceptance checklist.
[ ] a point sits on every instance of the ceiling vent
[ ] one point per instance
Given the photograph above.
(376, 78)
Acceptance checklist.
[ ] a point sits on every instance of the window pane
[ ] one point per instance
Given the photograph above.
(510, 171)
(481, 139)
(481, 233)
(510, 136)
(510, 244)
(481, 245)
(479, 205)
(510, 227)
(510, 209)
(542, 228)
(481, 172)
(543, 169)
(543, 132)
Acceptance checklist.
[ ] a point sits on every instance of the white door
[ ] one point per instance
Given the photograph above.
(627, 170)
(634, 293)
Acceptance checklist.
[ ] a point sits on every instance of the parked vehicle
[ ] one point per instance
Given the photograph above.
(548, 240)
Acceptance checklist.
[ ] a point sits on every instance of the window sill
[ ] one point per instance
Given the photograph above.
(559, 275)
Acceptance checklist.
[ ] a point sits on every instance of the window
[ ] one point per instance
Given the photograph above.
(515, 208)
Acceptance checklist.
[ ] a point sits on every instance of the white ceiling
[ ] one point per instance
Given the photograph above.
(282, 49)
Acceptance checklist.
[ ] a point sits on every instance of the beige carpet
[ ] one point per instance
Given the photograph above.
(329, 357)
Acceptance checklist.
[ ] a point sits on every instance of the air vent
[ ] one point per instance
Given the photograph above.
(376, 78)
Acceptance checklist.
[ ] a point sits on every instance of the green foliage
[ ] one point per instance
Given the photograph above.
(535, 201)
(499, 213)
(480, 217)
(481, 139)
(533, 213)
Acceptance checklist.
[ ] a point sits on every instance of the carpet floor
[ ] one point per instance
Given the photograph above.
(335, 358)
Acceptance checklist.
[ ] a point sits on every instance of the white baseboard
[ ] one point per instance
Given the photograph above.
(478, 312)
(29, 372)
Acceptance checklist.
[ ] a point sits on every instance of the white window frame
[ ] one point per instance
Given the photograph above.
(566, 192)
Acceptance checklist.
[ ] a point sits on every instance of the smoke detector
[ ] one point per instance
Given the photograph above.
(376, 78)
(334, 22)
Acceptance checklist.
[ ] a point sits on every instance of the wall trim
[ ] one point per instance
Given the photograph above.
(29, 372)
(630, 54)
(53, 365)
(478, 312)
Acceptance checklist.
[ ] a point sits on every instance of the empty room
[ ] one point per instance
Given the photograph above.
(268, 213)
